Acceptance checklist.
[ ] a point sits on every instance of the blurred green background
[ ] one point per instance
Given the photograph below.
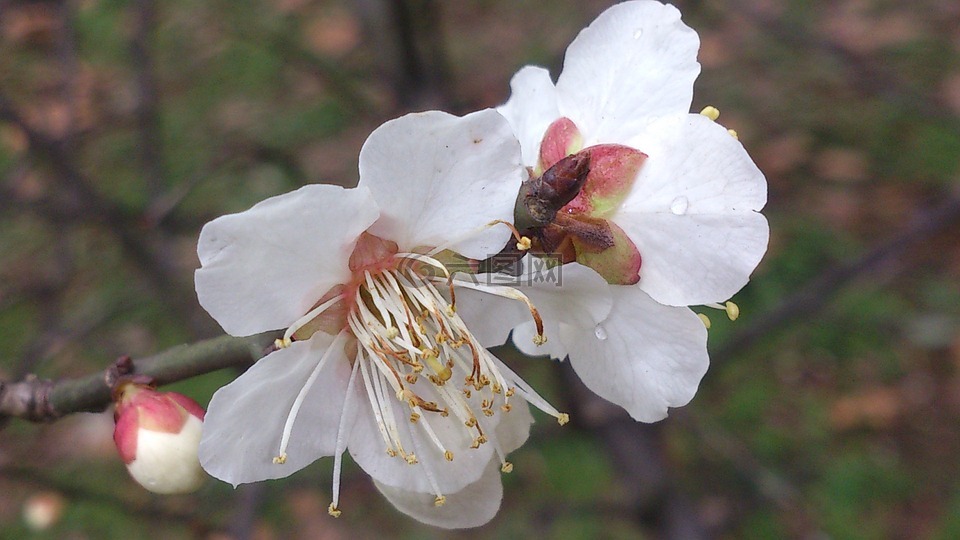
(832, 405)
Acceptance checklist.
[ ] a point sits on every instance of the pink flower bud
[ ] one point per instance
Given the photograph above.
(157, 435)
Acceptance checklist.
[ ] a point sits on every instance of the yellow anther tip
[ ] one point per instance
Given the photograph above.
(539, 339)
(440, 500)
(411, 459)
(393, 332)
(282, 343)
(333, 511)
(711, 112)
(563, 418)
(507, 467)
(524, 244)
(733, 310)
(733, 133)
(705, 319)
(280, 460)
(448, 455)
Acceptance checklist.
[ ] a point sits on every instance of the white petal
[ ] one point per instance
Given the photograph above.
(245, 419)
(692, 157)
(648, 356)
(474, 505)
(532, 107)
(636, 62)
(693, 213)
(489, 318)
(570, 294)
(438, 177)
(514, 427)
(524, 334)
(266, 267)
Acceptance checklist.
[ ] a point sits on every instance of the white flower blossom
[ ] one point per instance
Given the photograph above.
(376, 359)
(669, 213)
(692, 211)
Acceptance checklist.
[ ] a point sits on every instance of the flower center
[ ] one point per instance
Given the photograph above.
(412, 349)
(408, 331)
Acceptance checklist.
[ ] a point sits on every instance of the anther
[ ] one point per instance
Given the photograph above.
(733, 310)
(506, 467)
(563, 418)
(282, 343)
(281, 459)
(440, 500)
(705, 319)
(539, 339)
(733, 133)
(411, 459)
(524, 243)
(448, 455)
(333, 511)
(711, 112)
(393, 332)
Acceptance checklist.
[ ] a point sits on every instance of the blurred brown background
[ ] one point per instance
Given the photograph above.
(832, 406)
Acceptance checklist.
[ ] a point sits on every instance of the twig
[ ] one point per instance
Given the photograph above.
(148, 125)
(149, 249)
(42, 400)
(423, 77)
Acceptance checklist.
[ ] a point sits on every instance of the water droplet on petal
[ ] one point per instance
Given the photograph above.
(600, 332)
(637, 33)
(679, 205)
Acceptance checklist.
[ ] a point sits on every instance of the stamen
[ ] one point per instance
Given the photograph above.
(428, 472)
(705, 319)
(336, 345)
(427, 259)
(513, 294)
(371, 396)
(433, 437)
(733, 133)
(341, 445)
(302, 321)
(529, 394)
(521, 240)
(711, 112)
(472, 233)
(732, 310)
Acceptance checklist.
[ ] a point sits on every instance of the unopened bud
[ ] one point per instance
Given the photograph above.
(541, 198)
(158, 435)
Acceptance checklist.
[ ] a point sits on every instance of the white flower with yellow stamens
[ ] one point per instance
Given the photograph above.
(376, 359)
(677, 191)
(668, 213)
